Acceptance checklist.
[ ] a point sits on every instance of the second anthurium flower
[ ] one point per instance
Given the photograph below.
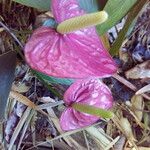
(90, 92)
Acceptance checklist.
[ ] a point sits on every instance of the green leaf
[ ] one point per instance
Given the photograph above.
(88, 5)
(39, 4)
(92, 5)
(131, 17)
(50, 79)
(116, 10)
(47, 85)
(93, 110)
(7, 69)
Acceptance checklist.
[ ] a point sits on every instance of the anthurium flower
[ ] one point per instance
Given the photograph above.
(90, 92)
(79, 54)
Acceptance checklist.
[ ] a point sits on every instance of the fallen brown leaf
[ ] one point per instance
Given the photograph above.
(139, 71)
(143, 90)
(138, 106)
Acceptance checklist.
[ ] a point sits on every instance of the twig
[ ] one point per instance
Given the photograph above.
(45, 106)
(125, 82)
(86, 140)
(12, 34)
(129, 85)
(19, 97)
(63, 135)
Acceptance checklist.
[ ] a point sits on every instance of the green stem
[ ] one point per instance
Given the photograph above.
(93, 110)
(131, 16)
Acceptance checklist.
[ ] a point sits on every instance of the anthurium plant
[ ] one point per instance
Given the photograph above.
(74, 50)
(71, 48)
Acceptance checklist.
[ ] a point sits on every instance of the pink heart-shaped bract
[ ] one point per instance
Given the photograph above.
(75, 55)
(87, 91)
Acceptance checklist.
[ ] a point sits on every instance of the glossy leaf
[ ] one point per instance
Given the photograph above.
(7, 69)
(88, 5)
(39, 4)
(46, 83)
(116, 10)
(54, 80)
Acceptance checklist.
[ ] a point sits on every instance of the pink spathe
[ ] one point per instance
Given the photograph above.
(86, 91)
(77, 55)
